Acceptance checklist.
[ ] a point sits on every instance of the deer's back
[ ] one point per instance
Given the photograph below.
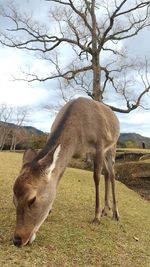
(87, 122)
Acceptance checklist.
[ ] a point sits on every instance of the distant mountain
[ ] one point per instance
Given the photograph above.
(33, 130)
(135, 138)
(30, 129)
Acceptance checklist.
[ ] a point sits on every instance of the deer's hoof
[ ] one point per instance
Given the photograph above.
(96, 221)
(105, 211)
(115, 216)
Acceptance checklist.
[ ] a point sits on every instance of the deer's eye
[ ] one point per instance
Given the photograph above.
(31, 201)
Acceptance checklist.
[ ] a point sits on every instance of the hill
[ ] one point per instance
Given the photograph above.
(33, 130)
(125, 139)
(30, 129)
(135, 139)
(20, 137)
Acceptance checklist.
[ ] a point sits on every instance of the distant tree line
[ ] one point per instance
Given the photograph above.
(132, 144)
(128, 144)
(13, 134)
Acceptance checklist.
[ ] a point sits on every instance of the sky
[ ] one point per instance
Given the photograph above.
(36, 95)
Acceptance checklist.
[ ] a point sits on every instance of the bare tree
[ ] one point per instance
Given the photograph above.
(21, 135)
(93, 29)
(5, 118)
(11, 121)
(18, 133)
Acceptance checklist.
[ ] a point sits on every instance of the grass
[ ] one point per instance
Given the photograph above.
(67, 238)
(136, 175)
(135, 150)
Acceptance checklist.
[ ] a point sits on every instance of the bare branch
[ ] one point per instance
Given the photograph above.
(68, 75)
(111, 20)
(78, 12)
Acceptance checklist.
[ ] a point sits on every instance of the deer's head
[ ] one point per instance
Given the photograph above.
(34, 194)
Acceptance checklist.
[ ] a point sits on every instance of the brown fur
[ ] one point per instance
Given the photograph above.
(82, 126)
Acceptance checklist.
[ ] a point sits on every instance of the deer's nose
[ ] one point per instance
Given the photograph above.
(17, 241)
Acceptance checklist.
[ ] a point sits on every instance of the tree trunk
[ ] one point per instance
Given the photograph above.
(97, 94)
(2, 141)
(14, 147)
(12, 141)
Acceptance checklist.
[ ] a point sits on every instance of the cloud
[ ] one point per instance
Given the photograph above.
(136, 121)
(41, 119)
(17, 92)
(139, 44)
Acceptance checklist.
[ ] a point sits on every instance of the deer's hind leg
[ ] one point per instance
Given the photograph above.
(98, 164)
(107, 190)
(113, 185)
(109, 175)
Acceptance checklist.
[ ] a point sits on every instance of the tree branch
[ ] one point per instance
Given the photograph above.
(68, 75)
(131, 107)
(78, 12)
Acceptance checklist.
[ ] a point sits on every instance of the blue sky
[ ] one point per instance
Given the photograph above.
(36, 95)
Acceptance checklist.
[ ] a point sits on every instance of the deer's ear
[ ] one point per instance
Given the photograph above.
(28, 155)
(49, 161)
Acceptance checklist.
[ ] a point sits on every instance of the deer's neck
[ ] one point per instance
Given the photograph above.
(65, 154)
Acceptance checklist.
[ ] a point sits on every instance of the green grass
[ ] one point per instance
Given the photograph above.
(67, 238)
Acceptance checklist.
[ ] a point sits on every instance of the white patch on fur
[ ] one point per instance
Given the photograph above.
(46, 215)
(53, 165)
(32, 239)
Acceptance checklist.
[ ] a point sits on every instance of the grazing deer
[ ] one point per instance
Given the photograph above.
(82, 126)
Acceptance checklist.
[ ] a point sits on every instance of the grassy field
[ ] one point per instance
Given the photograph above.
(67, 238)
(144, 151)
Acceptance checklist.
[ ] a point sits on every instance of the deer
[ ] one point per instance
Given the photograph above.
(82, 126)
